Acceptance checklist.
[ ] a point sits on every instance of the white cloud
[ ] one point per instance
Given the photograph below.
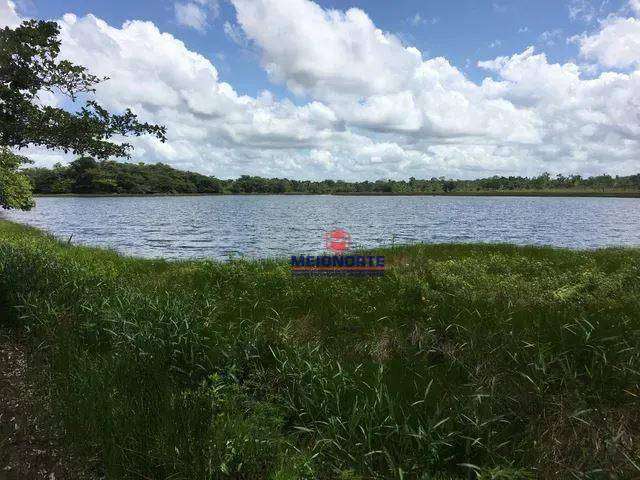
(323, 51)
(550, 37)
(235, 34)
(582, 10)
(500, 6)
(584, 121)
(635, 6)
(213, 6)
(544, 113)
(210, 127)
(369, 78)
(196, 14)
(418, 20)
(616, 45)
(8, 15)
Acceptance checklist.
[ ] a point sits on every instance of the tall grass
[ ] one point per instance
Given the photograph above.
(482, 361)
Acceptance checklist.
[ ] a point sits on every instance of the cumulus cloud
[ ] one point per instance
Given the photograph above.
(616, 45)
(325, 51)
(369, 77)
(545, 113)
(211, 127)
(196, 14)
(581, 119)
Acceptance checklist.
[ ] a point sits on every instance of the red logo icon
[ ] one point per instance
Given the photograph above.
(337, 241)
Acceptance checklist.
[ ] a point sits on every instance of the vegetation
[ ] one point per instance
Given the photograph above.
(87, 175)
(511, 362)
(15, 189)
(29, 67)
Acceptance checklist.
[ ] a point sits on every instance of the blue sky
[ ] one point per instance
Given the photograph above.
(364, 89)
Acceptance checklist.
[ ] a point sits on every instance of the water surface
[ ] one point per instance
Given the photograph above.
(276, 226)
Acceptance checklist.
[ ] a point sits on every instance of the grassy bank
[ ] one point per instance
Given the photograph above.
(511, 362)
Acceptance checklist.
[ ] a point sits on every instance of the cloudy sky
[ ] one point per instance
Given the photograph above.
(364, 89)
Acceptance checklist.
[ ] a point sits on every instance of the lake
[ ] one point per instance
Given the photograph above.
(276, 226)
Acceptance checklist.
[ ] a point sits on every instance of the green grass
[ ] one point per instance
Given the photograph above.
(506, 361)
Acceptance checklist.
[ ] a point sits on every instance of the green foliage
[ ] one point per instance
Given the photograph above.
(510, 362)
(85, 175)
(29, 65)
(506, 185)
(15, 189)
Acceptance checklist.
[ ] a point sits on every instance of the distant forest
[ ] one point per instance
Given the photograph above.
(88, 176)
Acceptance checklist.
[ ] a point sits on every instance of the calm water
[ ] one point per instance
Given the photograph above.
(272, 226)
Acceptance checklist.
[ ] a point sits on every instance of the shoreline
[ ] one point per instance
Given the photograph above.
(551, 194)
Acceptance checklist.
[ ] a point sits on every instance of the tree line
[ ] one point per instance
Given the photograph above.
(89, 176)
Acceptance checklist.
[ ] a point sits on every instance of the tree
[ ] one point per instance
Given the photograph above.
(29, 65)
(448, 186)
(15, 188)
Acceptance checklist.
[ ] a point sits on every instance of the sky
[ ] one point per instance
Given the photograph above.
(363, 89)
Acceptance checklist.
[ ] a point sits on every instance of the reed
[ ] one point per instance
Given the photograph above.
(464, 361)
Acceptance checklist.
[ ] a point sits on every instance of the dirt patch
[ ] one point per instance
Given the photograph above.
(28, 449)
